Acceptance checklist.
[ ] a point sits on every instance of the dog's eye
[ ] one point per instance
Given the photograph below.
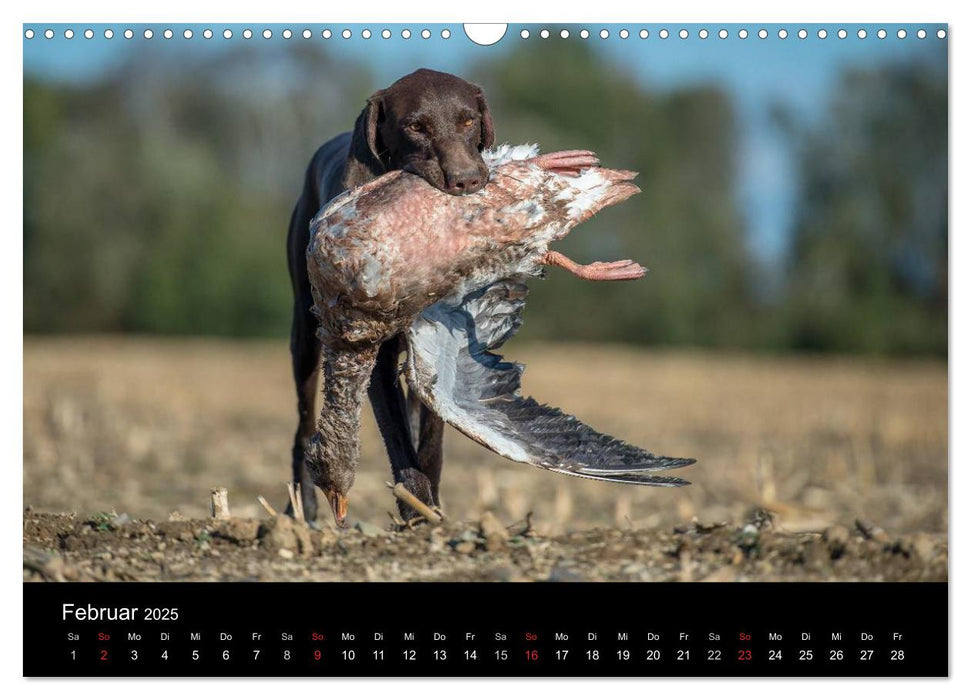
(416, 127)
(468, 122)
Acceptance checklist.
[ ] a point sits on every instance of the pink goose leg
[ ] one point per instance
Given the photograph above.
(598, 271)
(567, 162)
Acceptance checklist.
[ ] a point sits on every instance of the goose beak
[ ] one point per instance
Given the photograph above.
(338, 504)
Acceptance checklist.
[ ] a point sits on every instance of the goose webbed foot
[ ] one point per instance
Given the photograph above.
(596, 271)
(567, 162)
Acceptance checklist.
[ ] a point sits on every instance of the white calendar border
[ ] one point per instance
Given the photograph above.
(11, 321)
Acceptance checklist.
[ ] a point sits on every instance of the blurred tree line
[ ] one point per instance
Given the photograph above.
(156, 200)
(867, 269)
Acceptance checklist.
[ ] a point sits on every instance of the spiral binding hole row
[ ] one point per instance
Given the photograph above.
(446, 34)
(742, 33)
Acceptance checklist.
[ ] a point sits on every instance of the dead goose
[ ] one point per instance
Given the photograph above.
(396, 255)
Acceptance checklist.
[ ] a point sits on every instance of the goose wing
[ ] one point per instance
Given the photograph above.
(452, 369)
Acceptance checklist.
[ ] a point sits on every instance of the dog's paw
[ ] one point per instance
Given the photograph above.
(421, 487)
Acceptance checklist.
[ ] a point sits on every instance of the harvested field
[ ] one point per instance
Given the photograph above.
(103, 548)
(144, 427)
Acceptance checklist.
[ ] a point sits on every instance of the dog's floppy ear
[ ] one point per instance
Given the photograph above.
(366, 145)
(488, 135)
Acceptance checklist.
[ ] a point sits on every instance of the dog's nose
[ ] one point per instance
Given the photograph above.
(463, 181)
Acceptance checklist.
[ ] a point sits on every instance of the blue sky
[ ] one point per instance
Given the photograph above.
(798, 73)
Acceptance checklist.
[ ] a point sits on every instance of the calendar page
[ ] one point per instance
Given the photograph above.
(283, 282)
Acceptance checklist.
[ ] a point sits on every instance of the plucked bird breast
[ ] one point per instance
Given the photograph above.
(382, 253)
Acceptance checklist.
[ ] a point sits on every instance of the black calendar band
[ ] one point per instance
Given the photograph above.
(483, 629)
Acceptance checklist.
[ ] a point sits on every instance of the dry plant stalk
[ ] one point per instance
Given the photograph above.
(296, 503)
(219, 503)
(408, 498)
(269, 509)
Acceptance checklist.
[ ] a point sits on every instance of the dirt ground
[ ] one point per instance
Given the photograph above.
(123, 439)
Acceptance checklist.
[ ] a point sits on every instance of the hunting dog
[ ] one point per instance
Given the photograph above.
(434, 125)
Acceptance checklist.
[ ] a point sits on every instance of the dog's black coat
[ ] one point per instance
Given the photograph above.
(432, 124)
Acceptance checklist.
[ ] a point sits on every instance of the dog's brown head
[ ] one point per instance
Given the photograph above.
(429, 123)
